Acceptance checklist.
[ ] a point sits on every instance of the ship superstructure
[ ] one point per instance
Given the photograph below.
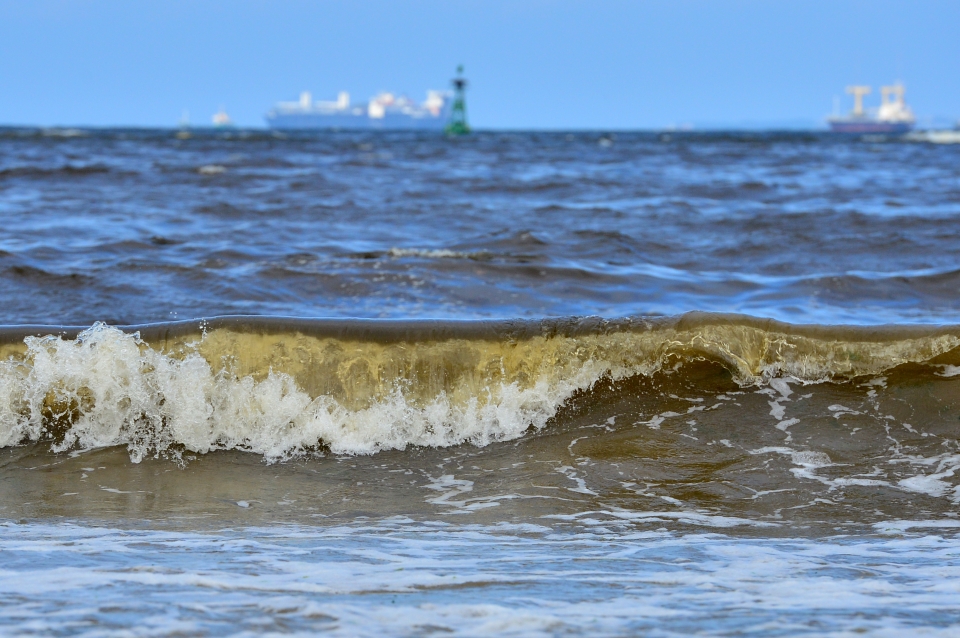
(893, 116)
(384, 111)
(221, 119)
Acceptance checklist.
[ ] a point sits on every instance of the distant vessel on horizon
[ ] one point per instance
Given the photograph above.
(893, 116)
(221, 119)
(384, 111)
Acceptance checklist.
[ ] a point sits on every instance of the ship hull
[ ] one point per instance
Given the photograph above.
(390, 122)
(868, 126)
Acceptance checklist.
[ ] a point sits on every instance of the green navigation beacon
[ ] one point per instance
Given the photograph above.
(458, 114)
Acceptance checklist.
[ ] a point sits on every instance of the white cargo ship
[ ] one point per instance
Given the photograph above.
(384, 111)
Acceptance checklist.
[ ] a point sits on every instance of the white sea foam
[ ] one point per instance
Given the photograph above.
(436, 253)
(398, 577)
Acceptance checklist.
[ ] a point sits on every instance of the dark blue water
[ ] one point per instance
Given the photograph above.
(139, 226)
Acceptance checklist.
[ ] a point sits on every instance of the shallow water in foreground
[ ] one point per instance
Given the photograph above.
(399, 577)
(716, 474)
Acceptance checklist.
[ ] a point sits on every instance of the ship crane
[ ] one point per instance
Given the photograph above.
(892, 94)
(858, 91)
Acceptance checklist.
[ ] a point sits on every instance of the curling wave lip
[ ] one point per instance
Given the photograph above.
(282, 387)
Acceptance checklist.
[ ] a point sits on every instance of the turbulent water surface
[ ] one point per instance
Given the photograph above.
(511, 383)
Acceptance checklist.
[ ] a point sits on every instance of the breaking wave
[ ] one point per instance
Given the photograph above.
(285, 387)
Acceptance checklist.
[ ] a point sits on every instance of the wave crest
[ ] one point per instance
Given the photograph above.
(282, 388)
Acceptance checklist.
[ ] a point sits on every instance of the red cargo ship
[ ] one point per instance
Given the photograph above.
(893, 116)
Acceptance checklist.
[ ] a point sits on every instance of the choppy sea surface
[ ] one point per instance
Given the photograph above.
(513, 383)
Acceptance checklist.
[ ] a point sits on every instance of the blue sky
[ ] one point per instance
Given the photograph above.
(602, 64)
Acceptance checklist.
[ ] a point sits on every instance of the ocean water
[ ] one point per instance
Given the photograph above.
(513, 383)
